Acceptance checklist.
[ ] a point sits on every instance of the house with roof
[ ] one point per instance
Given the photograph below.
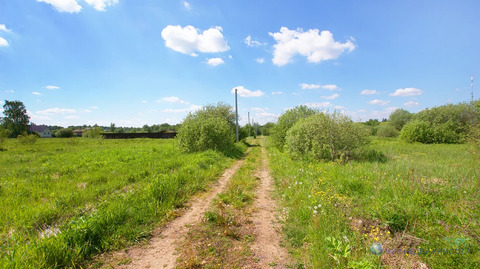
(42, 130)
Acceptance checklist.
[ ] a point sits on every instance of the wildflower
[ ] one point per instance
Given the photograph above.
(315, 212)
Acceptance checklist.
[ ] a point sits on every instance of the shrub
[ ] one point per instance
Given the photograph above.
(387, 130)
(325, 136)
(474, 140)
(417, 131)
(286, 121)
(66, 132)
(96, 132)
(27, 139)
(3, 136)
(209, 128)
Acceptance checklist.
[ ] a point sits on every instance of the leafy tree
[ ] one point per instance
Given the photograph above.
(286, 121)
(387, 130)
(16, 119)
(3, 137)
(372, 122)
(212, 127)
(399, 118)
(112, 127)
(66, 132)
(95, 132)
(267, 128)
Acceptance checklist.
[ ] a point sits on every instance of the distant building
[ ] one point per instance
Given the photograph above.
(78, 132)
(42, 130)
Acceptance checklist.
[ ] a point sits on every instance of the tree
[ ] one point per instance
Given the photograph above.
(66, 132)
(112, 127)
(399, 118)
(16, 119)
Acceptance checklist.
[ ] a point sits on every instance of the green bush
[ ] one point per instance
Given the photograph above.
(96, 132)
(286, 121)
(325, 136)
(66, 132)
(474, 140)
(417, 131)
(3, 136)
(386, 130)
(209, 128)
(27, 139)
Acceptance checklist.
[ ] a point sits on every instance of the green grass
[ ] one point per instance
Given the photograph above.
(65, 200)
(431, 192)
(224, 238)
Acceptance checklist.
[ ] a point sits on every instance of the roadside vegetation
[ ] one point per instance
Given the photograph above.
(65, 200)
(224, 238)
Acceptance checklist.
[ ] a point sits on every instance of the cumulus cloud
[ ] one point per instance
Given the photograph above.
(379, 102)
(172, 99)
(70, 6)
(260, 60)
(36, 93)
(331, 97)
(182, 110)
(3, 42)
(56, 110)
(247, 93)
(188, 40)
(3, 28)
(412, 103)
(319, 105)
(9, 91)
(215, 61)
(369, 92)
(330, 87)
(52, 87)
(277, 93)
(186, 5)
(252, 43)
(316, 47)
(100, 5)
(407, 92)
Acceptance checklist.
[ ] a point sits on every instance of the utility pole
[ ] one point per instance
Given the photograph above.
(236, 114)
(248, 124)
(472, 87)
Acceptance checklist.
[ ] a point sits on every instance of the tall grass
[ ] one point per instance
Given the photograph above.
(65, 200)
(429, 192)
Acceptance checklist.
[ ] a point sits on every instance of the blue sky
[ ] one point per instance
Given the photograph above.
(153, 61)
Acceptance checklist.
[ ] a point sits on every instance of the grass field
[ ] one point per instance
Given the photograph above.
(424, 197)
(65, 200)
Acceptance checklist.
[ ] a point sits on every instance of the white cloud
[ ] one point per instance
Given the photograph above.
(339, 107)
(182, 110)
(187, 40)
(258, 109)
(412, 103)
(144, 101)
(330, 87)
(4, 28)
(247, 93)
(379, 102)
(264, 117)
(277, 93)
(36, 93)
(52, 87)
(172, 99)
(369, 92)
(9, 91)
(319, 105)
(260, 60)
(93, 107)
(215, 61)
(252, 43)
(71, 117)
(407, 92)
(100, 5)
(187, 5)
(316, 47)
(56, 110)
(331, 97)
(87, 111)
(70, 6)
(3, 42)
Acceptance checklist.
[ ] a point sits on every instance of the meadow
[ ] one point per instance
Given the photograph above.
(65, 200)
(421, 198)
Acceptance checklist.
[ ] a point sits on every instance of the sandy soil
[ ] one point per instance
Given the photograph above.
(266, 247)
(160, 251)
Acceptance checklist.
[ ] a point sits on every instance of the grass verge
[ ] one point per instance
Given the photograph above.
(422, 199)
(223, 239)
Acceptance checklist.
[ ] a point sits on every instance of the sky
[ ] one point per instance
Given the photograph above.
(75, 62)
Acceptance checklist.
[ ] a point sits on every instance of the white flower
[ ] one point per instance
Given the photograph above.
(315, 212)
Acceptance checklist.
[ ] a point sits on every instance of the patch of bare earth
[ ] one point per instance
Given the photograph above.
(267, 248)
(160, 250)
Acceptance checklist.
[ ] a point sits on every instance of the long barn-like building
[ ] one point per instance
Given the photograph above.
(164, 135)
